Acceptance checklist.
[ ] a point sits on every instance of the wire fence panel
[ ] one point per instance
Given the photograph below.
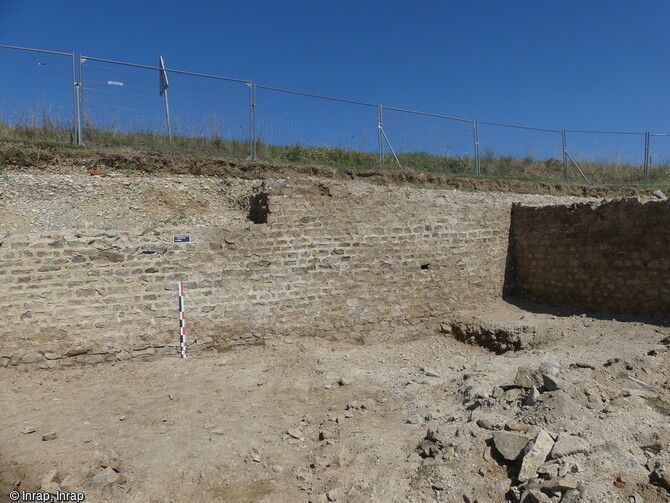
(429, 142)
(36, 95)
(306, 128)
(119, 101)
(659, 158)
(519, 152)
(122, 105)
(609, 158)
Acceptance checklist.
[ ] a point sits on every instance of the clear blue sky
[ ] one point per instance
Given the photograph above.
(562, 64)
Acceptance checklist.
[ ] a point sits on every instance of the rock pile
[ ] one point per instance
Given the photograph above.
(542, 442)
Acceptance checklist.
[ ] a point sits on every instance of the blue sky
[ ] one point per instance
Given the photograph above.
(568, 64)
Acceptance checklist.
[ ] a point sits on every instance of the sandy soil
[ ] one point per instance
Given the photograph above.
(221, 427)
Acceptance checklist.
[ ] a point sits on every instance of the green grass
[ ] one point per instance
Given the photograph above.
(49, 136)
(493, 165)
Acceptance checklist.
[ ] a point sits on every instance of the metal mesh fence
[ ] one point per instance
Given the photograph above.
(122, 105)
(36, 94)
(300, 127)
(429, 142)
(659, 158)
(512, 151)
(606, 157)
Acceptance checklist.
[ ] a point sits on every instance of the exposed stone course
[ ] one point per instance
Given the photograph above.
(608, 257)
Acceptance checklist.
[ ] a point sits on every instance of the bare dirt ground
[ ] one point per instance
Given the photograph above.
(316, 420)
(448, 417)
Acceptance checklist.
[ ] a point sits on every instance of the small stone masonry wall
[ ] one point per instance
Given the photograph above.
(613, 257)
(328, 262)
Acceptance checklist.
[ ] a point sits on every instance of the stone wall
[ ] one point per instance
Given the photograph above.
(610, 257)
(330, 260)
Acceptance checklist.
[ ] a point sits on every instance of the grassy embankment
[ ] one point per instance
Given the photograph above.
(492, 165)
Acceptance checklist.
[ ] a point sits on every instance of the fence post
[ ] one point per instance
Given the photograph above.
(252, 120)
(475, 130)
(75, 124)
(78, 135)
(79, 89)
(565, 157)
(380, 139)
(646, 158)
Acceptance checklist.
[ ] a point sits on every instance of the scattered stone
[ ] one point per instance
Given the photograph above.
(113, 466)
(537, 496)
(534, 455)
(664, 479)
(513, 395)
(334, 494)
(50, 482)
(566, 445)
(430, 372)
(50, 436)
(509, 444)
(255, 455)
(513, 426)
(583, 365)
(486, 423)
(533, 395)
(295, 433)
(564, 483)
(106, 477)
(550, 383)
(572, 496)
(28, 430)
(549, 368)
(551, 469)
(343, 381)
(503, 486)
(527, 378)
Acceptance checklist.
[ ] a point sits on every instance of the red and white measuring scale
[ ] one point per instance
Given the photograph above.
(182, 321)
